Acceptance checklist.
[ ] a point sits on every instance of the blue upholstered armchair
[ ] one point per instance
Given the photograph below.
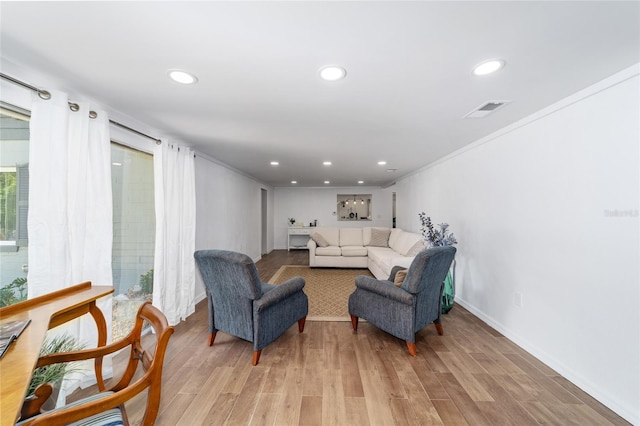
(243, 306)
(405, 310)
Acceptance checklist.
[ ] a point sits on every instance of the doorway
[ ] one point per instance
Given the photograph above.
(393, 209)
(263, 233)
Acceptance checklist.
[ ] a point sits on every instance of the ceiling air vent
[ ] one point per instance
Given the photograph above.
(486, 109)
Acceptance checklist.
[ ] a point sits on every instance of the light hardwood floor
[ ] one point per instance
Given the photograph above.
(330, 375)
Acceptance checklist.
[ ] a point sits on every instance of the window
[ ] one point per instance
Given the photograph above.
(133, 234)
(14, 198)
(133, 221)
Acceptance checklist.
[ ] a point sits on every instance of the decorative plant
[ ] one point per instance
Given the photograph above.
(441, 237)
(54, 373)
(436, 237)
(146, 282)
(292, 221)
(7, 293)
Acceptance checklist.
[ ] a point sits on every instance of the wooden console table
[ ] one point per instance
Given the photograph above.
(46, 311)
(296, 232)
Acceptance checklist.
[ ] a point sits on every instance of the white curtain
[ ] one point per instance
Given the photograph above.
(70, 206)
(70, 203)
(175, 201)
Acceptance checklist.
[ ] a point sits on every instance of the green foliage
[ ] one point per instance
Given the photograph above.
(7, 205)
(146, 282)
(54, 373)
(7, 297)
(8, 293)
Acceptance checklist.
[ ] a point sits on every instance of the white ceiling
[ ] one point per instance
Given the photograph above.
(259, 98)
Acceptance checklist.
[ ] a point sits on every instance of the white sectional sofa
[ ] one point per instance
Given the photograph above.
(378, 249)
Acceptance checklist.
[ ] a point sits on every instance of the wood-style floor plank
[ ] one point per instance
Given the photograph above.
(356, 409)
(331, 375)
(312, 409)
(449, 413)
(265, 412)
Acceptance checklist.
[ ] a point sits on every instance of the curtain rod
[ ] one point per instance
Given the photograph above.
(74, 107)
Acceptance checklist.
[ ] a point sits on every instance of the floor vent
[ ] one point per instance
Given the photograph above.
(486, 108)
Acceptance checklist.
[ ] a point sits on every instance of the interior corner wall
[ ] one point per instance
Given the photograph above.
(309, 204)
(547, 213)
(228, 212)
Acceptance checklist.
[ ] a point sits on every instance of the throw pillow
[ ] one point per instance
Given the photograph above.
(319, 239)
(380, 237)
(400, 276)
(416, 248)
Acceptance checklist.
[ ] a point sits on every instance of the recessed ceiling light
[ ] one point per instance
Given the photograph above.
(182, 77)
(326, 182)
(487, 67)
(275, 163)
(332, 73)
(360, 181)
(117, 164)
(294, 182)
(326, 163)
(381, 163)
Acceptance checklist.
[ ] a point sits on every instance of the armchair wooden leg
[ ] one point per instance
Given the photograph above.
(439, 328)
(412, 348)
(354, 322)
(256, 357)
(212, 337)
(301, 322)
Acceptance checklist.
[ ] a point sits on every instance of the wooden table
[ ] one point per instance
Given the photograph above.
(46, 311)
(296, 232)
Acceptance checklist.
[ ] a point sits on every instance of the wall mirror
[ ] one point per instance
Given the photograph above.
(354, 207)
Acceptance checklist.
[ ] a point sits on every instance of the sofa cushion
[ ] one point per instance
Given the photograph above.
(399, 278)
(393, 237)
(382, 256)
(351, 237)
(319, 239)
(366, 234)
(352, 251)
(405, 242)
(379, 237)
(386, 258)
(328, 251)
(331, 235)
(416, 248)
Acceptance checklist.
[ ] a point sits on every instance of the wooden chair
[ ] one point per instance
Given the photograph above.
(107, 407)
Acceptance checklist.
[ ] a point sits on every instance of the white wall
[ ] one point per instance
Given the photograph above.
(533, 208)
(228, 212)
(308, 204)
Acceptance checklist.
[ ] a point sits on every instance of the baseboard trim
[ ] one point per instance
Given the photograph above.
(577, 379)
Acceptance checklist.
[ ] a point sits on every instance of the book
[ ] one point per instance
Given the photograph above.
(9, 332)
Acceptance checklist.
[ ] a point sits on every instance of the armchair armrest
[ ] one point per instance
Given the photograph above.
(384, 288)
(82, 354)
(281, 292)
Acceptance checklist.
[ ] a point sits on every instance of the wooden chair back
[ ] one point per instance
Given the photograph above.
(150, 360)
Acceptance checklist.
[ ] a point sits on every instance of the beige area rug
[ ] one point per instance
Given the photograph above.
(328, 289)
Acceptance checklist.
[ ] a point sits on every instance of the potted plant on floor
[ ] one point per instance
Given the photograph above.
(435, 237)
(54, 373)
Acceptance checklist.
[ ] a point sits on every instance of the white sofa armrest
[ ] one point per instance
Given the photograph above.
(311, 245)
